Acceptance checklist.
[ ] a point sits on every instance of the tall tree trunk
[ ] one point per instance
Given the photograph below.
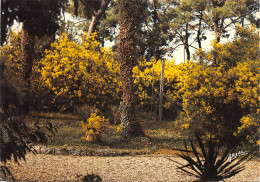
(186, 41)
(216, 30)
(28, 52)
(217, 38)
(157, 50)
(187, 51)
(127, 58)
(216, 19)
(26, 68)
(161, 91)
(199, 31)
(198, 37)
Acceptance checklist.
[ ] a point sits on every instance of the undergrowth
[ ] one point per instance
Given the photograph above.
(161, 137)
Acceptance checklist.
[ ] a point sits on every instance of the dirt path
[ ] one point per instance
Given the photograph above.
(44, 167)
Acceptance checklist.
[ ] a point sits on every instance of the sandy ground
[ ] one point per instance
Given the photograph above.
(44, 167)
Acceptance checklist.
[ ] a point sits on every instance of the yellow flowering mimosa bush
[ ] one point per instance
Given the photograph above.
(222, 100)
(94, 125)
(82, 73)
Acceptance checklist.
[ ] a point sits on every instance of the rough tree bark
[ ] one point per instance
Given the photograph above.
(28, 52)
(126, 55)
(161, 91)
(186, 41)
(198, 36)
(199, 31)
(26, 68)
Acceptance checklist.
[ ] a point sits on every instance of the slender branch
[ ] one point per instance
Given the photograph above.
(172, 49)
(79, 21)
(193, 47)
(234, 20)
(180, 36)
(164, 12)
(222, 24)
(193, 41)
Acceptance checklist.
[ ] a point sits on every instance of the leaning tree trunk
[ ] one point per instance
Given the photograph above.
(127, 56)
(186, 41)
(217, 37)
(92, 26)
(96, 15)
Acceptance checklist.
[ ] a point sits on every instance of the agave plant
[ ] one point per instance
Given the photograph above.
(211, 162)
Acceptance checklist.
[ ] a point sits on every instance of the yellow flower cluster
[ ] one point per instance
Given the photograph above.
(119, 129)
(249, 123)
(247, 84)
(246, 122)
(94, 125)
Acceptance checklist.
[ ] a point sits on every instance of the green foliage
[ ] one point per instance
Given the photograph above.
(17, 137)
(212, 162)
(190, 19)
(39, 17)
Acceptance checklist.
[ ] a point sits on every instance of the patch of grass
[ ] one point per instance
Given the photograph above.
(56, 118)
(160, 135)
(67, 136)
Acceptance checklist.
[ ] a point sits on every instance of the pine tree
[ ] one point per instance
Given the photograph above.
(127, 58)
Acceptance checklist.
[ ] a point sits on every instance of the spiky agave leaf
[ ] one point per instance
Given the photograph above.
(6, 172)
(208, 165)
(196, 166)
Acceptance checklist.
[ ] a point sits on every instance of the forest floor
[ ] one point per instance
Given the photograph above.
(161, 136)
